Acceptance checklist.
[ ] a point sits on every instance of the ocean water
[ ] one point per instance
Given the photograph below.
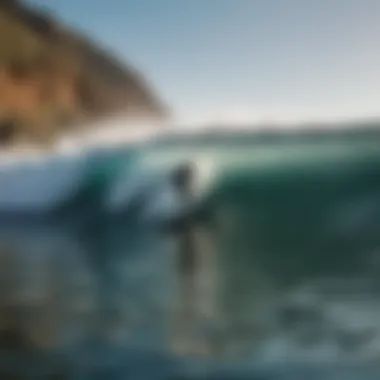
(287, 282)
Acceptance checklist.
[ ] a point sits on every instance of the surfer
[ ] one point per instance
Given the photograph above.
(194, 259)
(182, 225)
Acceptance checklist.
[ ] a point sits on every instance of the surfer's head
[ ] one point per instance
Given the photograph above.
(182, 177)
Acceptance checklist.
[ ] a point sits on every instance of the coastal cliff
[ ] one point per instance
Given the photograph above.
(53, 80)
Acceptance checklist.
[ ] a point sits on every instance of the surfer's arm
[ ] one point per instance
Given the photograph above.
(195, 213)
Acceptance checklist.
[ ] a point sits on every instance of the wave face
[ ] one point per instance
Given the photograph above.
(288, 270)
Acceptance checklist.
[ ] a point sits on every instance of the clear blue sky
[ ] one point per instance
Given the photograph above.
(266, 59)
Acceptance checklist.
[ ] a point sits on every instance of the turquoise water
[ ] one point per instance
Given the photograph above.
(292, 222)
